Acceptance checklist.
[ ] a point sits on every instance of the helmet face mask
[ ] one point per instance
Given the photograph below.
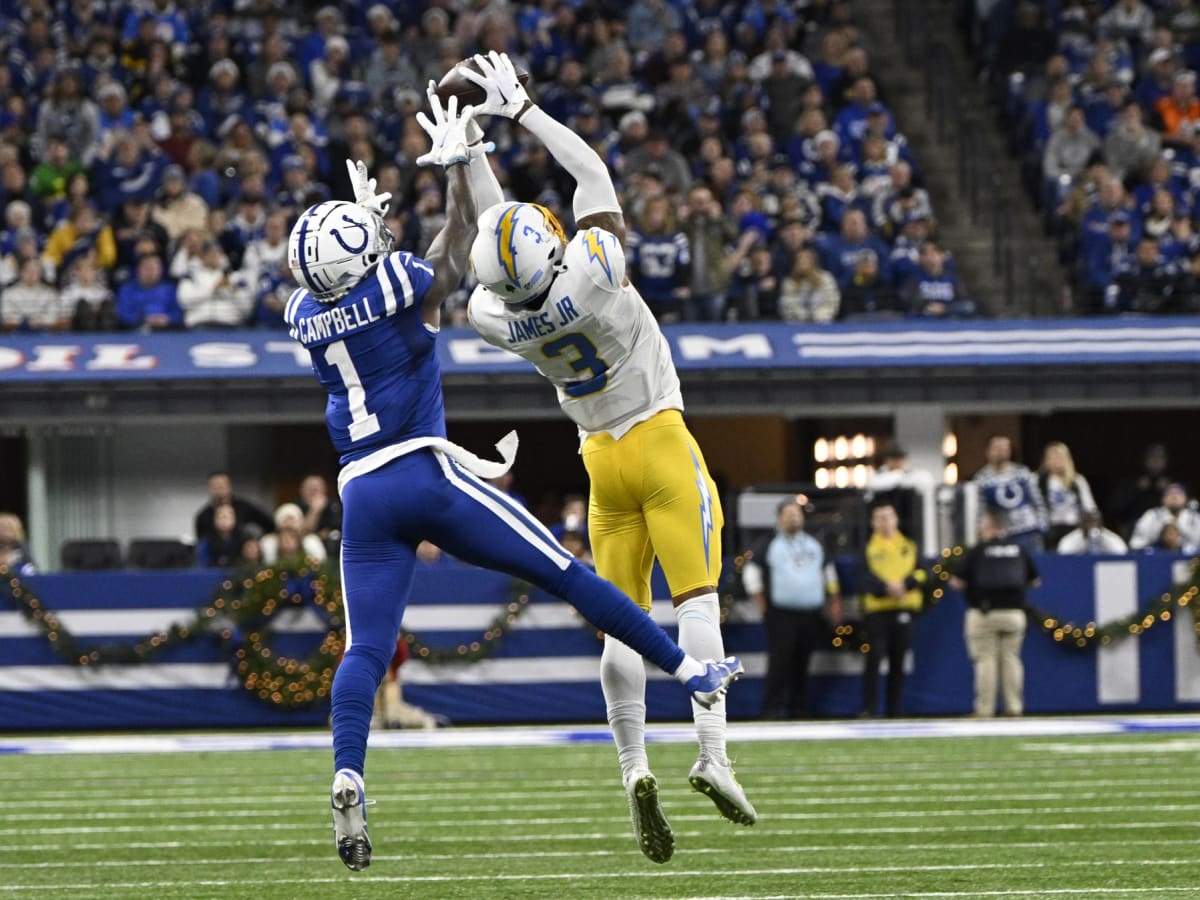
(334, 245)
(518, 251)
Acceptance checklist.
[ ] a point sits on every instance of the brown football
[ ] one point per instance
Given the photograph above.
(467, 92)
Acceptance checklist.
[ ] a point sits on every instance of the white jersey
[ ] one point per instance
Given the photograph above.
(593, 337)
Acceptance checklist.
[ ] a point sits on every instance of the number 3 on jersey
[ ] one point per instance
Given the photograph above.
(362, 423)
(587, 360)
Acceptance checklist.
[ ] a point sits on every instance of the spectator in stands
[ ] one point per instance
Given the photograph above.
(900, 486)
(1179, 112)
(1027, 45)
(869, 293)
(223, 546)
(1129, 147)
(841, 253)
(268, 254)
(251, 517)
(797, 591)
(1092, 537)
(322, 513)
(148, 301)
(572, 517)
(808, 293)
(1147, 282)
(1070, 147)
(1067, 493)
(49, 178)
(933, 290)
(83, 231)
(290, 538)
(900, 201)
(755, 290)
(213, 296)
(655, 155)
(1175, 509)
(30, 304)
(892, 580)
(87, 295)
(660, 261)
(1009, 491)
(68, 115)
(994, 575)
(715, 256)
(131, 224)
(14, 550)
(178, 209)
(1142, 492)
(1105, 261)
(1159, 80)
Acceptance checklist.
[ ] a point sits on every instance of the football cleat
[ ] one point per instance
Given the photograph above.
(650, 825)
(709, 688)
(348, 798)
(717, 782)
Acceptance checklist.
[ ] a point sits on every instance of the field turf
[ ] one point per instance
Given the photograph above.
(1098, 816)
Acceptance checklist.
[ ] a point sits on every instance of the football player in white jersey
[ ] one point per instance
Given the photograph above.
(568, 307)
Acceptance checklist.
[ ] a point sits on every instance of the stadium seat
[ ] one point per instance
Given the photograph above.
(160, 553)
(91, 555)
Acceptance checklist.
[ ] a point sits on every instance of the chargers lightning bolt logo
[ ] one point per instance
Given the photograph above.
(706, 508)
(594, 244)
(506, 247)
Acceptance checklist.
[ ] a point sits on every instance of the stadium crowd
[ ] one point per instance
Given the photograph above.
(153, 154)
(1102, 102)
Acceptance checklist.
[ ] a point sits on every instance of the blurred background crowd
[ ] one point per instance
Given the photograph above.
(1101, 103)
(154, 154)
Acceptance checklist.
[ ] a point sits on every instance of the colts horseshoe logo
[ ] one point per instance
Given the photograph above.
(337, 235)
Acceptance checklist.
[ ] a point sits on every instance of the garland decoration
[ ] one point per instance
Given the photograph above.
(1070, 635)
(282, 681)
(244, 604)
(486, 644)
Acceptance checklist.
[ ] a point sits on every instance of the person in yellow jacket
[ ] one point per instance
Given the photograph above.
(891, 596)
(82, 229)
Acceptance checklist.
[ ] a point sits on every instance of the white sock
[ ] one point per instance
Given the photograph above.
(700, 637)
(689, 668)
(623, 678)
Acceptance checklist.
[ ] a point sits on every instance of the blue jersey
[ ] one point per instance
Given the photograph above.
(374, 356)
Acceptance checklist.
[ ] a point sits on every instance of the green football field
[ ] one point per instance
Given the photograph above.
(1104, 816)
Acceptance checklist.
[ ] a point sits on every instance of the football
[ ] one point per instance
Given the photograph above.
(467, 92)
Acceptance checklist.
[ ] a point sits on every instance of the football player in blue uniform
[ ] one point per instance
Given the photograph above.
(369, 318)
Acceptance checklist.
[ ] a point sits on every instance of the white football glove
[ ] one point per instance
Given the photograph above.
(447, 131)
(364, 189)
(505, 94)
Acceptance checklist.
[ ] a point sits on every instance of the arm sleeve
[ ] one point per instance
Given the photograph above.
(752, 578)
(594, 190)
(484, 185)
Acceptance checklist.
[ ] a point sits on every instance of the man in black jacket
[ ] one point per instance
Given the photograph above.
(995, 575)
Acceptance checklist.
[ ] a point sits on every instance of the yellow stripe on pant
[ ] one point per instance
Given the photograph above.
(651, 495)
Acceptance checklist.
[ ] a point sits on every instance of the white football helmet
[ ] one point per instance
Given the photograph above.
(333, 245)
(518, 250)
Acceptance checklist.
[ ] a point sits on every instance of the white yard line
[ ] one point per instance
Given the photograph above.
(679, 871)
(1033, 726)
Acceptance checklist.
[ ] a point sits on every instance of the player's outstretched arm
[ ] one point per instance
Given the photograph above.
(451, 247)
(595, 203)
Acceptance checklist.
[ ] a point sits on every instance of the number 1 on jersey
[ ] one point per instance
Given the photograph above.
(362, 423)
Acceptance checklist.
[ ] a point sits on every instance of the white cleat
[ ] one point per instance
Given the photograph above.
(717, 782)
(650, 825)
(348, 798)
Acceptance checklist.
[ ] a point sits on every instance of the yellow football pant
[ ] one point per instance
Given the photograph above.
(651, 495)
